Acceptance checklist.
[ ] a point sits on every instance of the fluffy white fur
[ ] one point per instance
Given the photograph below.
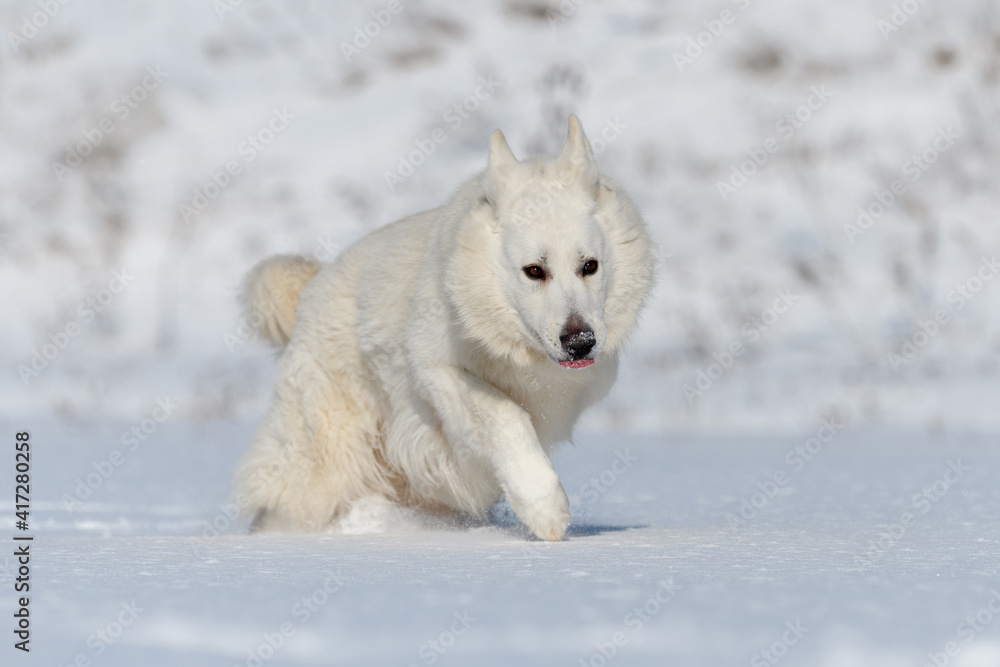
(422, 366)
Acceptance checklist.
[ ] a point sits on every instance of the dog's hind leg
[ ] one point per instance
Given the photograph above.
(317, 450)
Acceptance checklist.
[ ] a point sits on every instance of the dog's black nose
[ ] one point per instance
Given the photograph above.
(577, 338)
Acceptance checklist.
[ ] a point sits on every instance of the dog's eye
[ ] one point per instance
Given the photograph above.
(534, 272)
(590, 267)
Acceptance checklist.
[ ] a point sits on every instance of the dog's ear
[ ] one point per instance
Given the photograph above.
(576, 155)
(502, 159)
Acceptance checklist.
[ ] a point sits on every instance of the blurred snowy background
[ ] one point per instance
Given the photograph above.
(115, 116)
(820, 181)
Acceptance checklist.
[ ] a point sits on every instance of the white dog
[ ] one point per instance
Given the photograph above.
(439, 359)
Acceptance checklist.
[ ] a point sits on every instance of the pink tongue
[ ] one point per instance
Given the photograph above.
(579, 363)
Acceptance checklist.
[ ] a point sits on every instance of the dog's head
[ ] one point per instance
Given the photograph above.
(564, 260)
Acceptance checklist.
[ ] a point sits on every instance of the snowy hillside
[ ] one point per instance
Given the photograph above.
(824, 105)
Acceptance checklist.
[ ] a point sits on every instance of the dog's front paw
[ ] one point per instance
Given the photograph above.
(546, 515)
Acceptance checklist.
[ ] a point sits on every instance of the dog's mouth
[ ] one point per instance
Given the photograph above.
(576, 363)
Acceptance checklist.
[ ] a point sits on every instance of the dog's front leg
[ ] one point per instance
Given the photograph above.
(478, 416)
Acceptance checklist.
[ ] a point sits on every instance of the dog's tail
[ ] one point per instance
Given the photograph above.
(271, 294)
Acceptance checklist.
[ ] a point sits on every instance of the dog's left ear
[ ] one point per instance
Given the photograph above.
(577, 155)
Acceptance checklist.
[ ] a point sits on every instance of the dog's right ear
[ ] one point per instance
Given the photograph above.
(576, 150)
(502, 159)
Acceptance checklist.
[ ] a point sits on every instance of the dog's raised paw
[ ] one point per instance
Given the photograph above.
(546, 517)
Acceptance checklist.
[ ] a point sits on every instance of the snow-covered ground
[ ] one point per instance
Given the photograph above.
(655, 529)
(217, 133)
